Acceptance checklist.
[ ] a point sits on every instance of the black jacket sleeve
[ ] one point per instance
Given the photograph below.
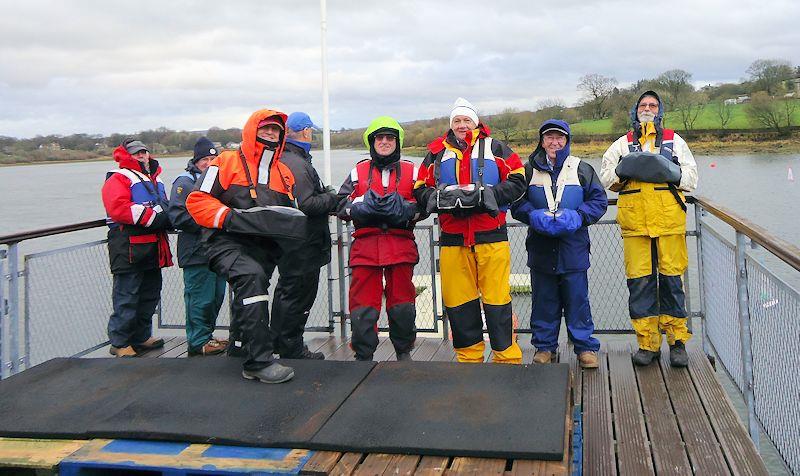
(177, 213)
(312, 198)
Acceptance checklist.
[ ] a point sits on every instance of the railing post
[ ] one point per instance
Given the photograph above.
(698, 226)
(13, 308)
(342, 280)
(434, 294)
(3, 307)
(744, 335)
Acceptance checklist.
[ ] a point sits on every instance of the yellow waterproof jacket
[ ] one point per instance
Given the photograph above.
(649, 209)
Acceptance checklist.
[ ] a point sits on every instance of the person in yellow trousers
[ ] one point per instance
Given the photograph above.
(651, 167)
(470, 179)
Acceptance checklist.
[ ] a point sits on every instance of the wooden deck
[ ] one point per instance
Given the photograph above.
(634, 420)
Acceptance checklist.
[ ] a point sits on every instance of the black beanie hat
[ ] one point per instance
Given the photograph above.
(203, 148)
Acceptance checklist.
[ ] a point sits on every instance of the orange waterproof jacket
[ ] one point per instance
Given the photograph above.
(228, 184)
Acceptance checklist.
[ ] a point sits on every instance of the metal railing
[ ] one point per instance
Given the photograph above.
(59, 302)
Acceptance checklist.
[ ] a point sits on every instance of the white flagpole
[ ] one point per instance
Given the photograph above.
(326, 128)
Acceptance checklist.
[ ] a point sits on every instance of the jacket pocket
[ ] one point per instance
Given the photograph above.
(143, 249)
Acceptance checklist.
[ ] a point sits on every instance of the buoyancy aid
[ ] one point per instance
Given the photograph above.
(652, 209)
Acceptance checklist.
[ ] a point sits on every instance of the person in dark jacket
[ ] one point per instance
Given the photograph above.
(135, 203)
(203, 289)
(299, 272)
(564, 197)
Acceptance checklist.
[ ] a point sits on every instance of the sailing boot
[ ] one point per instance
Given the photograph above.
(644, 357)
(677, 355)
(543, 357)
(404, 357)
(274, 373)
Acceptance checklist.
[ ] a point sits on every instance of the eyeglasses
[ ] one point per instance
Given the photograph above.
(648, 105)
(384, 137)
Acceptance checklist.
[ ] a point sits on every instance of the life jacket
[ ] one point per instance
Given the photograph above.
(365, 176)
(568, 190)
(652, 209)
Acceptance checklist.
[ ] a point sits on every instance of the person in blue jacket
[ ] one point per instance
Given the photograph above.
(204, 290)
(564, 197)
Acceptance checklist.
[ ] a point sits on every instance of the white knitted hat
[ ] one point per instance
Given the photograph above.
(462, 107)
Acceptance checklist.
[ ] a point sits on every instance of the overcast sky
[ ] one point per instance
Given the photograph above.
(125, 66)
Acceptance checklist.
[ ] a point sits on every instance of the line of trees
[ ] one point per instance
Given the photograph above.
(772, 86)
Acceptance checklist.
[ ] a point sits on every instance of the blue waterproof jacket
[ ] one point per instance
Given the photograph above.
(583, 198)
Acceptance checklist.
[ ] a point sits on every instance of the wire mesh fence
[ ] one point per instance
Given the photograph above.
(775, 330)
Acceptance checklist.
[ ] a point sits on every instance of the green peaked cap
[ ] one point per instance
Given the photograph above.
(383, 122)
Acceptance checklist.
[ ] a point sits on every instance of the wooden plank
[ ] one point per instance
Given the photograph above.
(347, 464)
(331, 346)
(384, 351)
(34, 453)
(343, 352)
(425, 348)
(633, 448)
(481, 466)
(669, 453)
(598, 439)
(169, 343)
(525, 467)
(445, 353)
(736, 445)
(561, 468)
(180, 351)
(321, 462)
(566, 355)
(374, 464)
(432, 465)
(402, 465)
(528, 350)
(701, 444)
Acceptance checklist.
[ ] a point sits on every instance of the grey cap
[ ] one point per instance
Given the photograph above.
(135, 146)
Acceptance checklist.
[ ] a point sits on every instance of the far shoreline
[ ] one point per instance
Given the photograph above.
(591, 149)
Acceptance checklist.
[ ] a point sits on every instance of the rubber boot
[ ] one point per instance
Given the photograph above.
(644, 357)
(677, 355)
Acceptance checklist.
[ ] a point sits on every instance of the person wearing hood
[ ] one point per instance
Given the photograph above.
(564, 197)
(203, 289)
(471, 179)
(299, 272)
(378, 198)
(244, 200)
(135, 201)
(651, 213)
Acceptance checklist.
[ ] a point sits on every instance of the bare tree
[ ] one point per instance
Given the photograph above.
(724, 113)
(506, 123)
(771, 113)
(597, 89)
(676, 83)
(768, 74)
(689, 107)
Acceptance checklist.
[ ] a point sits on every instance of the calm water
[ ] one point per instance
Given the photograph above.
(37, 196)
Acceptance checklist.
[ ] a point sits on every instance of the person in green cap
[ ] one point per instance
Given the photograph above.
(378, 198)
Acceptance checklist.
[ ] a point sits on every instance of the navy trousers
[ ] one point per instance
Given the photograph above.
(135, 297)
(554, 294)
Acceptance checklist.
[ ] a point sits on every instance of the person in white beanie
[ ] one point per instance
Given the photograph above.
(472, 197)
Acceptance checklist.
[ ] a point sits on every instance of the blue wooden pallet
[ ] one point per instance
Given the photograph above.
(181, 459)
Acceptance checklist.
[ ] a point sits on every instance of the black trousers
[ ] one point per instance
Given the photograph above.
(294, 296)
(135, 296)
(247, 264)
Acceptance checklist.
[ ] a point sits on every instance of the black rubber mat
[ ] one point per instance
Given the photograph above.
(451, 409)
(195, 400)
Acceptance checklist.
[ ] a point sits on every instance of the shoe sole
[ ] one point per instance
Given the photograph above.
(590, 366)
(252, 377)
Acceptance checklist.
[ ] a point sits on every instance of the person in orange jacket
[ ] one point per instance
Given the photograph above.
(245, 201)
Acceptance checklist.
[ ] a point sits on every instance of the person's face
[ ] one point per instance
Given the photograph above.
(385, 144)
(647, 109)
(462, 124)
(142, 156)
(203, 163)
(270, 132)
(553, 141)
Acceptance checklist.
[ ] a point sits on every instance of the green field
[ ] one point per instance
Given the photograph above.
(708, 119)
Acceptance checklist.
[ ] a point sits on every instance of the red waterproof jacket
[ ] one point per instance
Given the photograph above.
(381, 246)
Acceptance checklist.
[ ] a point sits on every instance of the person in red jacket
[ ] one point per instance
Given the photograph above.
(378, 197)
(136, 206)
(244, 200)
(470, 179)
